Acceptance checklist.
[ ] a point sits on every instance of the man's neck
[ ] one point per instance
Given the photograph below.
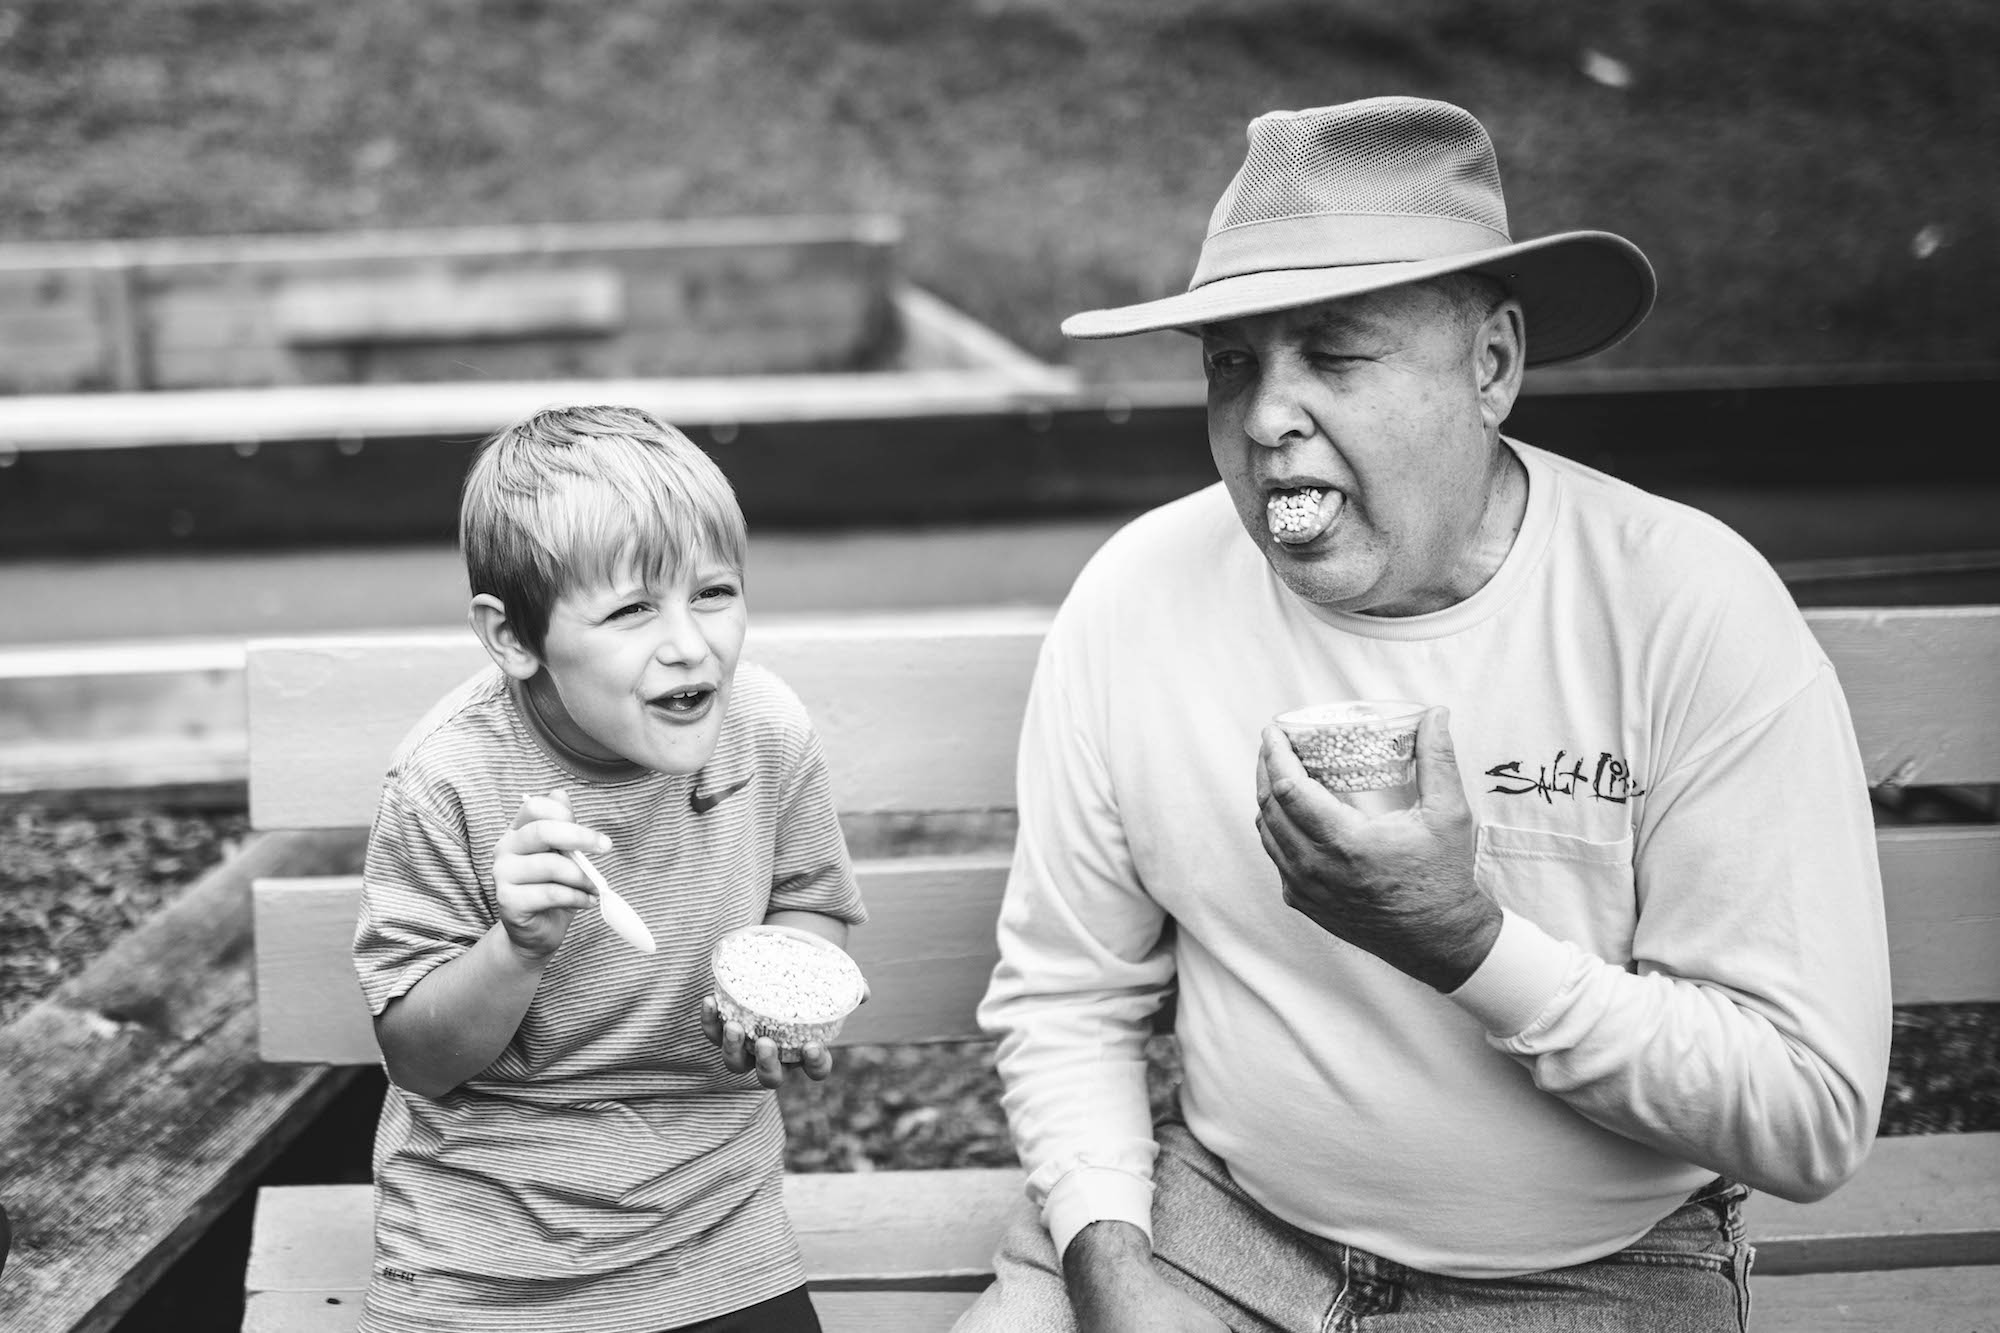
(1499, 525)
(1481, 557)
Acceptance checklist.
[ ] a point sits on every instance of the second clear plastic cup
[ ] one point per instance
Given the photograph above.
(1363, 749)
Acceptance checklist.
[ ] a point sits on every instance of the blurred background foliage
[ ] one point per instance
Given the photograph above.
(1814, 179)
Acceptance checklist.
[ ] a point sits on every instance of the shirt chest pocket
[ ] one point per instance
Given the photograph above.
(1575, 889)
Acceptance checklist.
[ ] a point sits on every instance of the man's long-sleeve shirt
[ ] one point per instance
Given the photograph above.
(1692, 977)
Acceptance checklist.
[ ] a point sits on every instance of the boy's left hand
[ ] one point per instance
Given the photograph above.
(744, 1056)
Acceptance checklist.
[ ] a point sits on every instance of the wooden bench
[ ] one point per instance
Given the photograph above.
(919, 716)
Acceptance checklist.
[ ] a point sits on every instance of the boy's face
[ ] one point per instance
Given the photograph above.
(642, 667)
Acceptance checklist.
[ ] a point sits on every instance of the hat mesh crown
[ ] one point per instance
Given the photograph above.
(1384, 156)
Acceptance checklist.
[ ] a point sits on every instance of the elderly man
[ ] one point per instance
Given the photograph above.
(1509, 1056)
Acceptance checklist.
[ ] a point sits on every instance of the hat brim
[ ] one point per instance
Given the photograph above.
(1583, 291)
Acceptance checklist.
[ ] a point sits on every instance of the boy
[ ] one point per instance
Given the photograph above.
(572, 1141)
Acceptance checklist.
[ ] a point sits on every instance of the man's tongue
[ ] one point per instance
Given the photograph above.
(1297, 517)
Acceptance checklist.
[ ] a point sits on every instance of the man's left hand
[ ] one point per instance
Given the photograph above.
(1398, 885)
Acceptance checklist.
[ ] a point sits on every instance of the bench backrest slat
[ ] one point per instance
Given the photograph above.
(928, 947)
(921, 715)
(913, 717)
(927, 951)
(1921, 684)
(1941, 889)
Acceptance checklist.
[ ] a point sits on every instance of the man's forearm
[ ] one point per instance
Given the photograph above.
(457, 1020)
(1759, 1105)
(1103, 1265)
(1459, 940)
(1114, 1286)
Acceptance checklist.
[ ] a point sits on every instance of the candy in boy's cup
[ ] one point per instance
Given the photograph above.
(789, 985)
(1364, 748)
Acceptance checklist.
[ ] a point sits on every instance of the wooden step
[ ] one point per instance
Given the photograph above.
(133, 1106)
(365, 464)
(657, 296)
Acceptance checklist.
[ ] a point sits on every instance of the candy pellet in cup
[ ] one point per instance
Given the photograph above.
(1365, 750)
(786, 984)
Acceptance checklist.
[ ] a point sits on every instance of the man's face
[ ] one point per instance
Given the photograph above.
(1351, 436)
(642, 667)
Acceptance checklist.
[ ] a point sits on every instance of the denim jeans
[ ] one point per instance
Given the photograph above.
(1258, 1274)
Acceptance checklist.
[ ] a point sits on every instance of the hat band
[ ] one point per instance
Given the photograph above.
(1335, 240)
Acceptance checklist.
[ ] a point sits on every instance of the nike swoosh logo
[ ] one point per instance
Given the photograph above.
(702, 803)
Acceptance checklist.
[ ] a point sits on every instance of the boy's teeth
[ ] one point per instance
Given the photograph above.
(1297, 517)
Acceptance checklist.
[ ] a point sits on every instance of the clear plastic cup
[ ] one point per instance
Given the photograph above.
(789, 985)
(1365, 749)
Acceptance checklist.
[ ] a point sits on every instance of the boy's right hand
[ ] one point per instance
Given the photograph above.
(537, 883)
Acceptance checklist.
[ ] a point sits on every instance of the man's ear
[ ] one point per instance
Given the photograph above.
(503, 645)
(1501, 351)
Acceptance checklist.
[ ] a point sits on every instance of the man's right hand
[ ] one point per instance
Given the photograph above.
(537, 884)
(1114, 1288)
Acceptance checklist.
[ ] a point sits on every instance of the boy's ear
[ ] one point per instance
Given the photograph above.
(503, 645)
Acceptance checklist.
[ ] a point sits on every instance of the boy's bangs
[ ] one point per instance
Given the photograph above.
(606, 532)
(588, 496)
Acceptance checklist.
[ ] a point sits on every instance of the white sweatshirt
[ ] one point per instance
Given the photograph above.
(1692, 978)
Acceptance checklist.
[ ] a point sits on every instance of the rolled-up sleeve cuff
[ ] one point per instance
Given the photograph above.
(1520, 976)
(1096, 1194)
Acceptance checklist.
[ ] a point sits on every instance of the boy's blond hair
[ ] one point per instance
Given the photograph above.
(576, 495)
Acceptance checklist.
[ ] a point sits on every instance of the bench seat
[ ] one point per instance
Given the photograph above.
(887, 1233)
(897, 1249)
(839, 1311)
(1934, 1300)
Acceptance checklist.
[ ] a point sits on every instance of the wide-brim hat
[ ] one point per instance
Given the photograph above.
(1339, 200)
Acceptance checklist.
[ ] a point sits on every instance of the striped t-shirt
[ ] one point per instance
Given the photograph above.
(607, 1172)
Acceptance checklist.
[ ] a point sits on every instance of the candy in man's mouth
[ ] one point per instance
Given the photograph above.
(1300, 514)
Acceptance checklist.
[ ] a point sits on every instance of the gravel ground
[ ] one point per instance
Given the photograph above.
(75, 881)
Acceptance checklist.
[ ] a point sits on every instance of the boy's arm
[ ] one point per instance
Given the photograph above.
(819, 923)
(812, 889)
(458, 1018)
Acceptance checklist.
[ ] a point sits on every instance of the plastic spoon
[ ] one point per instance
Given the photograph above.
(618, 913)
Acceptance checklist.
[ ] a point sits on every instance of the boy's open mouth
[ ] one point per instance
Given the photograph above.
(1297, 515)
(683, 703)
